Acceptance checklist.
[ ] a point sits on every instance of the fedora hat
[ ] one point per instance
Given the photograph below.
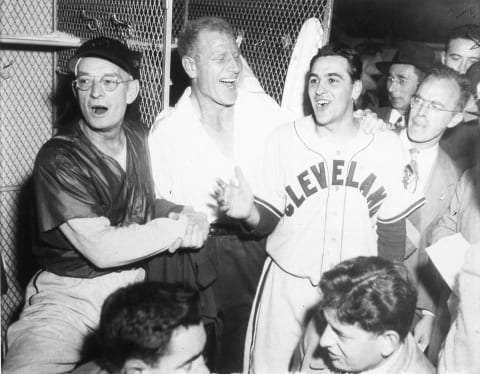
(410, 53)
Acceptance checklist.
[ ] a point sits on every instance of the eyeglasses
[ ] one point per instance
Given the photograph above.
(108, 82)
(417, 102)
(399, 81)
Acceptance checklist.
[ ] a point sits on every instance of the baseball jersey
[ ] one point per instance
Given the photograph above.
(329, 197)
(186, 162)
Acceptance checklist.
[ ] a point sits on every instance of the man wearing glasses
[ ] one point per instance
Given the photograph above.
(96, 214)
(405, 72)
(437, 105)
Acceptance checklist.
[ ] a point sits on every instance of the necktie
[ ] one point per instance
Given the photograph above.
(410, 174)
(398, 125)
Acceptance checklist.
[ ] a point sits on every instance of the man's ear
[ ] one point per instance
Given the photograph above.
(389, 341)
(74, 90)
(357, 89)
(133, 91)
(190, 66)
(134, 366)
(442, 57)
(456, 119)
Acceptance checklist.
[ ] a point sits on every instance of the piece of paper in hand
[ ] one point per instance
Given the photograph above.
(448, 256)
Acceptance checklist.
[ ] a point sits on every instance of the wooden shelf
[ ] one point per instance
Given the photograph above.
(58, 40)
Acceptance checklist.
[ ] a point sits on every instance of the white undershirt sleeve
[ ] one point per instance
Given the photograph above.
(108, 246)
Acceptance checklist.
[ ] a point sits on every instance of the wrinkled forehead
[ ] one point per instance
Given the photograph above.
(442, 90)
(213, 40)
(404, 70)
(330, 65)
(464, 46)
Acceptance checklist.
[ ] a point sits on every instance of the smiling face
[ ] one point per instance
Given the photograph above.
(461, 54)
(349, 347)
(214, 68)
(402, 83)
(104, 110)
(331, 90)
(427, 125)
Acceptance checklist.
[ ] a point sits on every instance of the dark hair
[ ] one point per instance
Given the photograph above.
(372, 292)
(353, 59)
(444, 72)
(469, 32)
(473, 75)
(137, 321)
(188, 37)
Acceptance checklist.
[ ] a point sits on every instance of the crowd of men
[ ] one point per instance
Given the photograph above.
(234, 233)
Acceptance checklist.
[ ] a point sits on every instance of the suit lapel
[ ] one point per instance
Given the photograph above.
(441, 181)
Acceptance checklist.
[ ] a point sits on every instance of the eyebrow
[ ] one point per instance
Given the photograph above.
(432, 101)
(337, 75)
(191, 359)
(398, 75)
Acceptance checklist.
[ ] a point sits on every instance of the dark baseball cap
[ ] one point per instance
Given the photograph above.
(411, 53)
(109, 49)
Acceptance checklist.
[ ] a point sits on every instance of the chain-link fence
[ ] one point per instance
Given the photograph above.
(269, 29)
(25, 124)
(138, 23)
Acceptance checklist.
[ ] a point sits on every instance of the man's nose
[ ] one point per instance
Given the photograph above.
(391, 86)
(97, 88)
(328, 337)
(235, 64)
(463, 67)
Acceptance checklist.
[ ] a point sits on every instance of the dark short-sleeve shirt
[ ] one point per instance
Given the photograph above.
(74, 179)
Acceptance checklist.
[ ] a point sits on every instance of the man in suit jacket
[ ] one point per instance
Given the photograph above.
(437, 105)
(405, 72)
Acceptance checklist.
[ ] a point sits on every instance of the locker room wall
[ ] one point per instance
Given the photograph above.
(26, 81)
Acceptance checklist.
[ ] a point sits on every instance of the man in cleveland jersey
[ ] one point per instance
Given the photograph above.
(327, 192)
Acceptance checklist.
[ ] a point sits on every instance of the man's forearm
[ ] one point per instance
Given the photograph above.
(107, 246)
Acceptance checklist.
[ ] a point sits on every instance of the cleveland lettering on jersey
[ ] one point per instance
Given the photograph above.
(315, 178)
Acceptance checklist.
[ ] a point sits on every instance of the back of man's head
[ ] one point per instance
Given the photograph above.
(349, 54)
(371, 292)
(138, 321)
(188, 38)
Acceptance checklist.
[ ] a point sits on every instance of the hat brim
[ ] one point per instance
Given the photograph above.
(106, 55)
(384, 66)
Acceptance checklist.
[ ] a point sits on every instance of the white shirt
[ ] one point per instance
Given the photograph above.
(394, 116)
(425, 160)
(186, 162)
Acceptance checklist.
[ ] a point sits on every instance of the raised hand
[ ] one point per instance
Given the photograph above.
(235, 199)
